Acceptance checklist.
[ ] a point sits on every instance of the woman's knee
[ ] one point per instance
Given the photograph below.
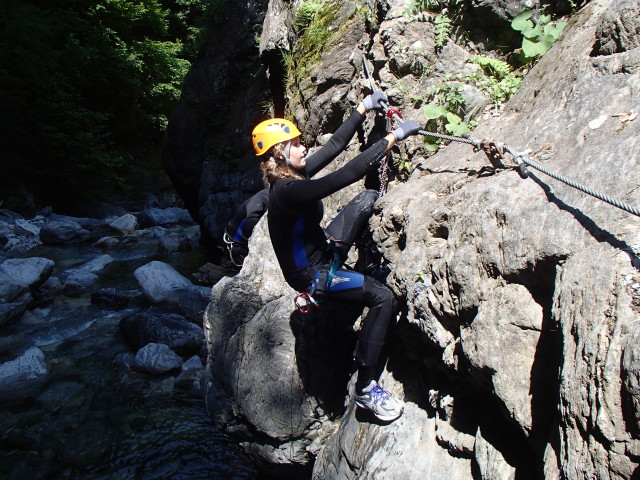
(378, 294)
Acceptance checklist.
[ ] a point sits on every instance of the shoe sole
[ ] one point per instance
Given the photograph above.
(380, 417)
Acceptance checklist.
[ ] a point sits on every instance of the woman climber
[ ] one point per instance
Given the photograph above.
(308, 254)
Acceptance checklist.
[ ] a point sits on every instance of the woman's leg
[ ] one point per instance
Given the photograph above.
(355, 287)
(351, 221)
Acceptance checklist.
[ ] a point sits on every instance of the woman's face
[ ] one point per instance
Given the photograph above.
(297, 154)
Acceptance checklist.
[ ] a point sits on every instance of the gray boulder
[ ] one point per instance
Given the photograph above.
(156, 358)
(24, 375)
(30, 272)
(164, 216)
(173, 330)
(63, 232)
(159, 281)
(126, 224)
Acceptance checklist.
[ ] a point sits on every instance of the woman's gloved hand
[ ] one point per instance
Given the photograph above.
(406, 129)
(375, 101)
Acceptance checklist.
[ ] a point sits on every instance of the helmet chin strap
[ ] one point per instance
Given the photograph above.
(287, 153)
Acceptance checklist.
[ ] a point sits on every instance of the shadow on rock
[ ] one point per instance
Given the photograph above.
(325, 345)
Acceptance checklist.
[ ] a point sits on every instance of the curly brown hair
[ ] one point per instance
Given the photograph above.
(274, 167)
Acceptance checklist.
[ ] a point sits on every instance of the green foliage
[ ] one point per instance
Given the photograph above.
(313, 40)
(448, 93)
(497, 78)
(446, 119)
(85, 89)
(446, 11)
(538, 35)
(305, 13)
(403, 166)
(443, 25)
(417, 6)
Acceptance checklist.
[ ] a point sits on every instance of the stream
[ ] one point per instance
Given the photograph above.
(90, 418)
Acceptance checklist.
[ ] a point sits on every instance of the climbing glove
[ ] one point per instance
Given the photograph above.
(406, 129)
(375, 101)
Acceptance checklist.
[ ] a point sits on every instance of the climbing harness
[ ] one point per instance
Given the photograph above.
(495, 154)
(319, 290)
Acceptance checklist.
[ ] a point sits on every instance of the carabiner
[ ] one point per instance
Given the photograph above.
(303, 302)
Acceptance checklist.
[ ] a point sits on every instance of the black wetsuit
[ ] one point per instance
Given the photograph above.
(301, 244)
(240, 227)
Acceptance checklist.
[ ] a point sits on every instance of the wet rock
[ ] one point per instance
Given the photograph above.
(10, 289)
(191, 376)
(11, 312)
(159, 281)
(30, 272)
(173, 243)
(107, 242)
(26, 228)
(170, 329)
(97, 264)
(125, 360)
(192, 302)
(125, 224)
(76, 281)
(63, 232)
(164, 216)
(24, 375)
(157, 358)
(114, 298)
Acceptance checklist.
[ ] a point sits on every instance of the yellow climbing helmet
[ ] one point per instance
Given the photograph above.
(272, 131)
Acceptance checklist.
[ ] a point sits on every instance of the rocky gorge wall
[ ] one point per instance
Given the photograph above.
(515, 349)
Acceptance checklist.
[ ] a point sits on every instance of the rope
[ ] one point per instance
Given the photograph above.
(521, 159)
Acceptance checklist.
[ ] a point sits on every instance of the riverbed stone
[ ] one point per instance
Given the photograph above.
(158, 281)
(157, 358)
(30, 272)
(12, 311)
(26, 228)
(97, 264)
(153, 216)
(10, 289)
(114, 298)
(28, 371)
(76, 281)
(63, 232)
(126, 224)
(170, 329)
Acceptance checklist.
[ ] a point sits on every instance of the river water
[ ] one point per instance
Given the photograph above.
(90, 418)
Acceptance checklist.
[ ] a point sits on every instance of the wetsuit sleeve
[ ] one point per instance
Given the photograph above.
(300, 191)
(247, 216)
(338, 142)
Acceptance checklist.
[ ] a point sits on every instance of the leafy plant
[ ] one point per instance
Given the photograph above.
(538, 34)
(443, 26)
(305, 13)
(496, 78)
(451, 123)
(448, 93)
(446, 11)
(403, 166)
(417, 6)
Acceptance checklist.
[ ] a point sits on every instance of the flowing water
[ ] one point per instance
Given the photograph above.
(89, 418)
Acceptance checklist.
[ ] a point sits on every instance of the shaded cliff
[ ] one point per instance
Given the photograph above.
(515, 346)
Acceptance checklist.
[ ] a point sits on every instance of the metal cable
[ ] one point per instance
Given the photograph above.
(520, 159)
(524, 158)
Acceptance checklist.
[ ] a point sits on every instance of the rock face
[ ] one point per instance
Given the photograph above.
(515, 348)
(205, 149)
